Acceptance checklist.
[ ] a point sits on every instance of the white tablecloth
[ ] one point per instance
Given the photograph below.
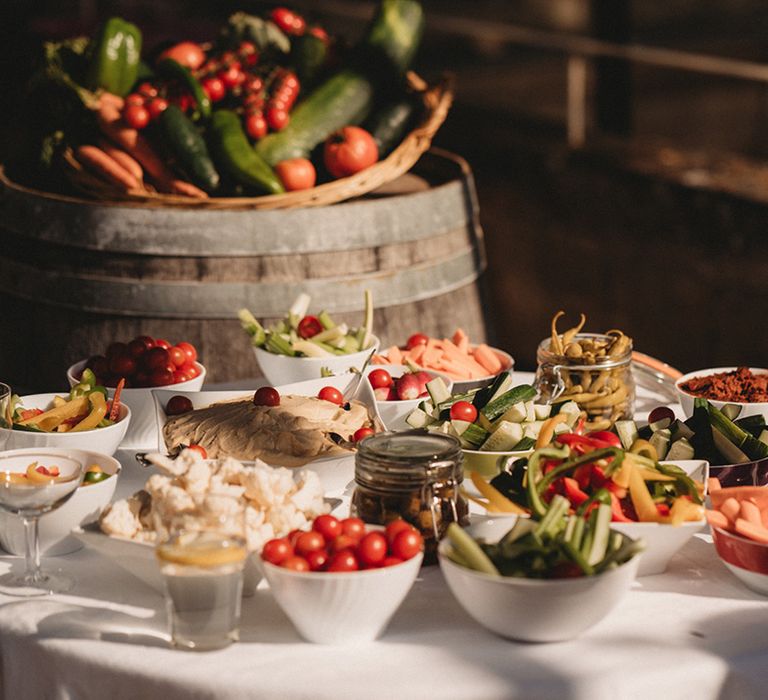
(693, 632)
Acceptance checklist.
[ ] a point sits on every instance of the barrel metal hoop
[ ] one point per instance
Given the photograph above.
(220, 300)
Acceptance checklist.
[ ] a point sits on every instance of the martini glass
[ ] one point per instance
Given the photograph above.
(28, 491)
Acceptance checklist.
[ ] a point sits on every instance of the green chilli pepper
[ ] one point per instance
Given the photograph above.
(115, 57)
(173, 70)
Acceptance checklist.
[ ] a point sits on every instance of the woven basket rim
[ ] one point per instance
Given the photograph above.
(436, 100)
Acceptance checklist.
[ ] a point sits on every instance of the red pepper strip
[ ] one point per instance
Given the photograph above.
(579, 427)
(573, 440)
(663, 509)
(28, 413)
(115, 410)
(573, 493)
(598, 477)
(617, 514)
(584, 476)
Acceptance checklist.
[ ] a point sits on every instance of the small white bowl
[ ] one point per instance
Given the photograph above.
(283, 369)
(394, 413)
(344, 607)
(142, 433)
(84, 507)
(534, 610)
(747, 409)
(103, 440)
(507, 365)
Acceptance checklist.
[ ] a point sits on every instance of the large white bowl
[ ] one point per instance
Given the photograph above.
(103, 440)
(341, 608)
(394, 413)
(283, 369)
(84, 507)
(534, 610)
(142, 433)
(747, 409)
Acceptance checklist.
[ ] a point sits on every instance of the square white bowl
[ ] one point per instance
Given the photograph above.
(747, 409)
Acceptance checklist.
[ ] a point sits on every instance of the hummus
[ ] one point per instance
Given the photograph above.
(291, 434)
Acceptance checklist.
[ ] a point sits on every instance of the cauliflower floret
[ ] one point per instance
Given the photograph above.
(197, 478)
(267, 486)
(229, 470)
(220, 487)
(309, 497)
(257, 530)
(285, 518)
(122, 518)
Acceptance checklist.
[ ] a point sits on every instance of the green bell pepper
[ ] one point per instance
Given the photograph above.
(115, 57)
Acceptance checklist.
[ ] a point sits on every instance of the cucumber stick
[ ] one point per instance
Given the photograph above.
(470, 551)
(498, 406)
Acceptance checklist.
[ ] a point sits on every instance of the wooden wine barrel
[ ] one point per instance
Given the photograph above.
(77, 274)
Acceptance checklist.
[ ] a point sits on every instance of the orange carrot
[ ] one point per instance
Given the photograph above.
(713, 484)
(129, 163)
(394, 355)
(417, 353)
(750, 512)
(752, 531)
(758, 494)
(716, 519)
(186, 189)
(114, 412)
(105, 167)
(487, 358)
(730, 508)
(111, 99)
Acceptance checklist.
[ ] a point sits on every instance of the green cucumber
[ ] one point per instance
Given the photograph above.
(393, 38)
(754, 449)
(470, 551)
(681, 449)
(702, 440)
(500, 405)
(389, 124)
(437, 390)
(234, 154)
(504, 438)
(188, 148)
(502, 383)
(660, 441)
(308, 56)
(474, 435)
(527, 443)
(418, 418)
(627, 432)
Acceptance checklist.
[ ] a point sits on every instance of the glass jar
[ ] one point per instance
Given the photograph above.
(595, 372)
(414, 475)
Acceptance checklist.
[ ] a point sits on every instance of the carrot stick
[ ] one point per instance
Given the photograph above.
(751, 513)
(115, 410)
(752, 531)
(106, 167)
(129, 163)
(717, 519)
(187, 189)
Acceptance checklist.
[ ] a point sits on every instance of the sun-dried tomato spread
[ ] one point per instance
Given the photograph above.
(741, 385)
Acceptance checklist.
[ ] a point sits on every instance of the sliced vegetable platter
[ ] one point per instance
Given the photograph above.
(273, 112)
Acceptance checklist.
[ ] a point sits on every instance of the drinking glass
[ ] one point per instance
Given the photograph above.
(6, 420)
(27, 491)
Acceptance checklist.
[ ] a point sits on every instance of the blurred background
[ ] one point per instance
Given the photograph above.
(623, 177)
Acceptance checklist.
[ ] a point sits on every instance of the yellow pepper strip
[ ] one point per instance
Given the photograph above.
(653, 475)
(641, 498)
(98, 411)
(485, 504)
(683, 510)
(547, 430)
(495, 498)
(643, 447)
(59, 401)
(621, 476)
(68, 410)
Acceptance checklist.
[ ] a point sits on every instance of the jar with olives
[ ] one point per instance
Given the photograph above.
(414, 475)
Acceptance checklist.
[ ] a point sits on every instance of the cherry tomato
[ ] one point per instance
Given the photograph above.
(343, 542)
(392, 561)
(328, 526)
(215, 89)
(187, 53)
(343, 561)
(317, 560)
(407, 544)
(606, 436)
(332, 394)
(380, 379)
(395, 527)
(320, 33)
(309, 326)
(296, 174)
(188, 348)
(266, 396)
(277, 550)
(248, 52)
(353, 527)
(99, 365)
(178, 358)
(463, 410)
(162, 343)
(135, 99)
(232, 75)
(254, 84)
(307, 542)
(180, 376)
(137, 347)
(256, 126)
(161, 377)
(372, 549)
(156, 107)
(136, 116)
(362, 433)
(156, 358)
(277, 118)
(147, 90)
(122, 365)
(191, 369)
(177, 405)
(200, 449)
(288, 21)
(417, 339)
(294, 535)
(115, 349)
(295, 563)
(349, 150)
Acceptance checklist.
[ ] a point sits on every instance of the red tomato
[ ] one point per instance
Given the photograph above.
(395, 527)
(309, 326)
(266, 396)
(161, 377)
(256, 126)
(343, 542)
(349, 150)
(372, 549)
(296, 174)
(200, 449)
(380, 379)
(294, 535)
(180, 376)
(317, 560)
(295, 563)
(407, 544)
(191, 369)
(156, 107)
(277, 550)
(134, 99)
(416, 339)
(328, 526)
(140, 344)
(392, 561)
(343, 561)
(233, 75)
(215, 89)
(277, 117)
(177, 405)
(178, 358)
(254, 84)
(163, 343)
(187, 53)
(332, 394)
(307, 542)
(122, 365)
(463, 410)
(606, 436)
(320, 33)
(188, 348)
(147, 90)
(353, 527)
(362, 433)
(136, 116)
(288, 21)
(156, 358)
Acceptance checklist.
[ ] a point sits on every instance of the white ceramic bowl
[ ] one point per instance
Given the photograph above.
(507, 365)
(533, 610)
(82, 508)
(341, 608)
(747, 409)
(394, 413)
(103, 440)
(283, 369)
(142, 433)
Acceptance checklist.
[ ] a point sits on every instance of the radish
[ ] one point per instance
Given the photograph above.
(382, 393)
(422, 378)
(407, 387)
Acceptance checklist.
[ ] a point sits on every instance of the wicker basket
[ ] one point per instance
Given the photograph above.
(436, 101)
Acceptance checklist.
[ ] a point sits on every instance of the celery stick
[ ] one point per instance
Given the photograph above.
(325, 320)
(470, 550)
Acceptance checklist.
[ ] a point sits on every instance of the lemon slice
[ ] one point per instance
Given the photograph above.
(203, 554)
